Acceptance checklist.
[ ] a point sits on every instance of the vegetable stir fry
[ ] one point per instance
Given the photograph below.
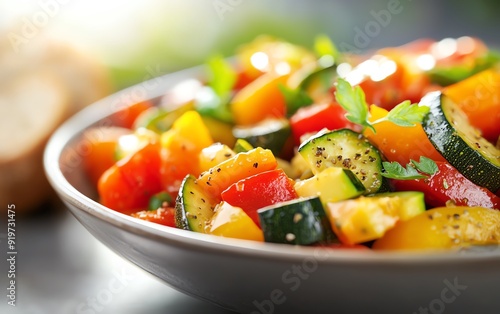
(397, 150)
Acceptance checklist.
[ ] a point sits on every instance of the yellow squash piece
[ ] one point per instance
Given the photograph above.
(331, 185)
(232, 222)
(444, 228)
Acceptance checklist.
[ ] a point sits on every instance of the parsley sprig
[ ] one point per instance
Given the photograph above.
(413, 170)
(406, 114)
(353, 100)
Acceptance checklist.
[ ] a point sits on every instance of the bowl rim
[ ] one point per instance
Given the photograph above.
(92, 114)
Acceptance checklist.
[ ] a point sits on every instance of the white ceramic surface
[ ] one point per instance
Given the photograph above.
(254, 277)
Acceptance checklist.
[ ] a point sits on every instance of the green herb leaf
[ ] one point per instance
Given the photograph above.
(426, 165)
(295, 98)
(407, 114)
(222, 76)
(393, 170)
(352, 99)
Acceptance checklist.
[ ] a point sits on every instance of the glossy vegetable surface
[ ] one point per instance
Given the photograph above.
(298, 146)
(444, 228)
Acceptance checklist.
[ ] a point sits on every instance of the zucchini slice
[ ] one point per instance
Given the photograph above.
(194, 208)
(272, 134)
(462, 145)
(318, 83)
(331, 185)
(300, 221)
(349, 150)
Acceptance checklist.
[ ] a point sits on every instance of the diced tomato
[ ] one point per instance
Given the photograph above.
(399, 143)
(260, 190)
(163, 216)
(449, 185)
(128, 185)
(102, 143)
(313, 118)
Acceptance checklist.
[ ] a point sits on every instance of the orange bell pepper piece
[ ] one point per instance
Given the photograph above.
(260, 99)
(479, 97)
(238, 167)
(399, 143)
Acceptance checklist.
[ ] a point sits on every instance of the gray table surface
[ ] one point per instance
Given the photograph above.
(62, 269)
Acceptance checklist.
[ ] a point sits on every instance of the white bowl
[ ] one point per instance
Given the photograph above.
(253, 277)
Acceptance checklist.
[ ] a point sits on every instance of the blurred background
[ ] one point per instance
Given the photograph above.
(130, 37)
(57, 56)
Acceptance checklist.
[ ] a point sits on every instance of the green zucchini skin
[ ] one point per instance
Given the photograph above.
(193, 208)
(271, 134)
(349, 150)
(324, 76)
(301, 221)
(448, 129)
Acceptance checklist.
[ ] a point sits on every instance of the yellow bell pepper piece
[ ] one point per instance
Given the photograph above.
(232, 222)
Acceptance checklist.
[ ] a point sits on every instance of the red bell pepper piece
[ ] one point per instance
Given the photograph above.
(448, 184)
(315, 117)
(128, 185)
(260, 190)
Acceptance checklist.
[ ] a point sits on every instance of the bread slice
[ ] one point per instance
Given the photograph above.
(82, 74)
(42, 83)
(32, 106)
